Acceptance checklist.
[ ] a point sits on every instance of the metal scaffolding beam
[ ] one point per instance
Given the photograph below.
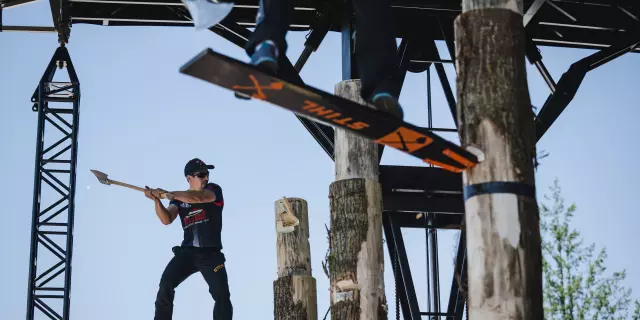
(404, 282)
(570, 82)
(457, 296)
(406, 296)
(54, 191)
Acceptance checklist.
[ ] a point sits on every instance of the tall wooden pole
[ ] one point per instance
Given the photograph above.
(495, 116)
(356, 259)
(355, 157)
(294, 291)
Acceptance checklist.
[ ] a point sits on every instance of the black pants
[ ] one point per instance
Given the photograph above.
(185, 262)
(375, 43)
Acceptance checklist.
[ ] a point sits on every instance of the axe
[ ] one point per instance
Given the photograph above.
(104, 179)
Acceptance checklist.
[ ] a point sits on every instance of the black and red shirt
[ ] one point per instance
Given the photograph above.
(202, 222)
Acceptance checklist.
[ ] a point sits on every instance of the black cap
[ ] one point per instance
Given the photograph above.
(196, 165)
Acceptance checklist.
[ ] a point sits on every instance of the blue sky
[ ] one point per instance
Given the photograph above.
(141, 120)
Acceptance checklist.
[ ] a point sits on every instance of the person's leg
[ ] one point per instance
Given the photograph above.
(178, 269)
(211, 265)
(268, 41)
(376, 53)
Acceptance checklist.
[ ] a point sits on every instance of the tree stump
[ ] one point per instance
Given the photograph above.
(293, 248)
(294, 291)
(295, 298)
(495, 116)
(356, 259)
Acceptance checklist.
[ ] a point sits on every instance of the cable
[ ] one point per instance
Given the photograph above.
(394, 265)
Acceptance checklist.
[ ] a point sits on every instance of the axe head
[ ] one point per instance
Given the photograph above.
(102, 177)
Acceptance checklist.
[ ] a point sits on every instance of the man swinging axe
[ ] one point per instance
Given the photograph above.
(200, 212)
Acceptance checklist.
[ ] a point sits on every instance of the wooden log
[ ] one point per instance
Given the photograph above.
(295, 298)
(356, 259)
(294, 292)
(494, 115)
(293, 248)
(355, 157)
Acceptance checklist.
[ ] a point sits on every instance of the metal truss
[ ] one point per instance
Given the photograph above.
(565, 90)
(54, 191)
(406, 297)
(459, 287)
(5, 4)
(592, 24)
(426, 198)
(8, 4)
(422, 189)
(573, 19)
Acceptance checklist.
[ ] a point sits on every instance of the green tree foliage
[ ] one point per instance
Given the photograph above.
(576, 284)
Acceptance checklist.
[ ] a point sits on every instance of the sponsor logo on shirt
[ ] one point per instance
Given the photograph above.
(194, 217)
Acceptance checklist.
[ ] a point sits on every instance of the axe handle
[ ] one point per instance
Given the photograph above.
(126, 185)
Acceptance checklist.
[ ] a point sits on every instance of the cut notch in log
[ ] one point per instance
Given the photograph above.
(287, 220)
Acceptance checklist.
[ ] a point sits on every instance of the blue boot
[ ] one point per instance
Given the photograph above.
(265, 57)
(386, 102)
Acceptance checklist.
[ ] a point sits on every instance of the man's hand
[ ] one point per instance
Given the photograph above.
(158, 192)
(165, 215)
(150, 194)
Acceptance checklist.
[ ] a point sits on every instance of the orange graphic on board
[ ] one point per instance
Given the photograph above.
(259, 93)
(458, 158)
(405, 139)
(442, 165)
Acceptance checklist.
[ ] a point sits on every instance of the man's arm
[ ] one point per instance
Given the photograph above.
(202, 196)
(166, 215)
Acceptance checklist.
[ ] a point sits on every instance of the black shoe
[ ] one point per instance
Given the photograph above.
(388, 103)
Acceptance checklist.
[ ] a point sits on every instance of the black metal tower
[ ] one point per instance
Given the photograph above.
(57, 104)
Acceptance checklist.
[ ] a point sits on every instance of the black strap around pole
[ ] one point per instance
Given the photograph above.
(516, 188)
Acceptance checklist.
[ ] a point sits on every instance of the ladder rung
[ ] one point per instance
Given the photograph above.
(49, 296)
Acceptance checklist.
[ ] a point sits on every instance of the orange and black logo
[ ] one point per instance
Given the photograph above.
(258, 89)
(329, 114)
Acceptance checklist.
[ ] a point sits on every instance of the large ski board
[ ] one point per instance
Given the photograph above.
(329, 109)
